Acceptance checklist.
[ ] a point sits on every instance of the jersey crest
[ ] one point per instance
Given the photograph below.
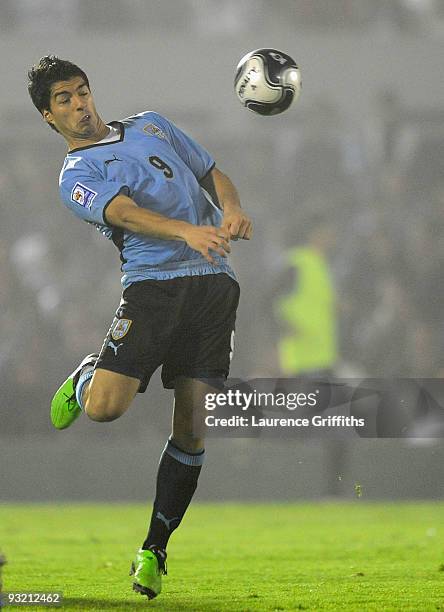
(153, 130)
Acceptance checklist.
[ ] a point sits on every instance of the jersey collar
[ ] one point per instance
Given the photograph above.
(117, 124)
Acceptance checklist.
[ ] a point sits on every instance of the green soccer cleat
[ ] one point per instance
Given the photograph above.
(64, 406)
(147, 570)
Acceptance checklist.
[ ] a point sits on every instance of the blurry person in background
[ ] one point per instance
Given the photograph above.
(307, 311)
(158, 196)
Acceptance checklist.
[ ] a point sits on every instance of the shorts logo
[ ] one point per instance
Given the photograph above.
(120, 328)
(153, 130)
(82, 195)
(114, 347)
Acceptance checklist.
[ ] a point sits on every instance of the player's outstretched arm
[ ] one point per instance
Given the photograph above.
(236, 221)
(123, 212)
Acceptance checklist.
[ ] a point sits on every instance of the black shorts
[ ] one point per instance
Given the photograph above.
(184, 324)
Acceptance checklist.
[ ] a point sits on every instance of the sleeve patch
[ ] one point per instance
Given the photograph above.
(83, 195)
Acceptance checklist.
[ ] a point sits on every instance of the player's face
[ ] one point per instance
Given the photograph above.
(72, 110)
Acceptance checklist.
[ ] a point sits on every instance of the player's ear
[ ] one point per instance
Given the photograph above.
(47, 116)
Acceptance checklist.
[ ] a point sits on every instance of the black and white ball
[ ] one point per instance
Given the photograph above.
(267, 81)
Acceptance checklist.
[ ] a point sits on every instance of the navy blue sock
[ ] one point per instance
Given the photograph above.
(176, 482)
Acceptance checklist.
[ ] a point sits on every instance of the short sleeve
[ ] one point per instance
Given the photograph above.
(85, 192)
(192, 153)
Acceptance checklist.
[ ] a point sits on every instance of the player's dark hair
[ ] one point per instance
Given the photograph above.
(43, 75)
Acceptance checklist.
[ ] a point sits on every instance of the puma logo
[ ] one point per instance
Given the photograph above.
(167, 522)
(114, 347)
(109, 161)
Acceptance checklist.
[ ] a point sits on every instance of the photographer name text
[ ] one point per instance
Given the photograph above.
(314, 421)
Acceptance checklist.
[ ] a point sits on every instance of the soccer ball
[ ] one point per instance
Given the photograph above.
(267, 81)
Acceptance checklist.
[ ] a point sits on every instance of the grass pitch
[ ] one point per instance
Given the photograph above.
(236, 557)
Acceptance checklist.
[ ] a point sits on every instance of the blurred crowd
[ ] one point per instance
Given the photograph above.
(229, 16)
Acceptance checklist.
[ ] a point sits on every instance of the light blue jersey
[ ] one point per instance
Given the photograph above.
(159, 167)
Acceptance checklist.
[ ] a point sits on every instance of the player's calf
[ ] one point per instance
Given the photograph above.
(109, 395)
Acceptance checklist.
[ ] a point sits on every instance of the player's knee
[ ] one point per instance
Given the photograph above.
(101, 412)
(103, 407)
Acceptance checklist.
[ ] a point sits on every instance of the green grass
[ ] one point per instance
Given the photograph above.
(235, 557)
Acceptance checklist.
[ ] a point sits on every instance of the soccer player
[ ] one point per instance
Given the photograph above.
(146, 185)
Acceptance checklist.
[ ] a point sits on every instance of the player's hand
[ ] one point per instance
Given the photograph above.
(206, 238)
(237, 224)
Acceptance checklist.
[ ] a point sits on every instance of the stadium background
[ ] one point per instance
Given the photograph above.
(362, 153)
